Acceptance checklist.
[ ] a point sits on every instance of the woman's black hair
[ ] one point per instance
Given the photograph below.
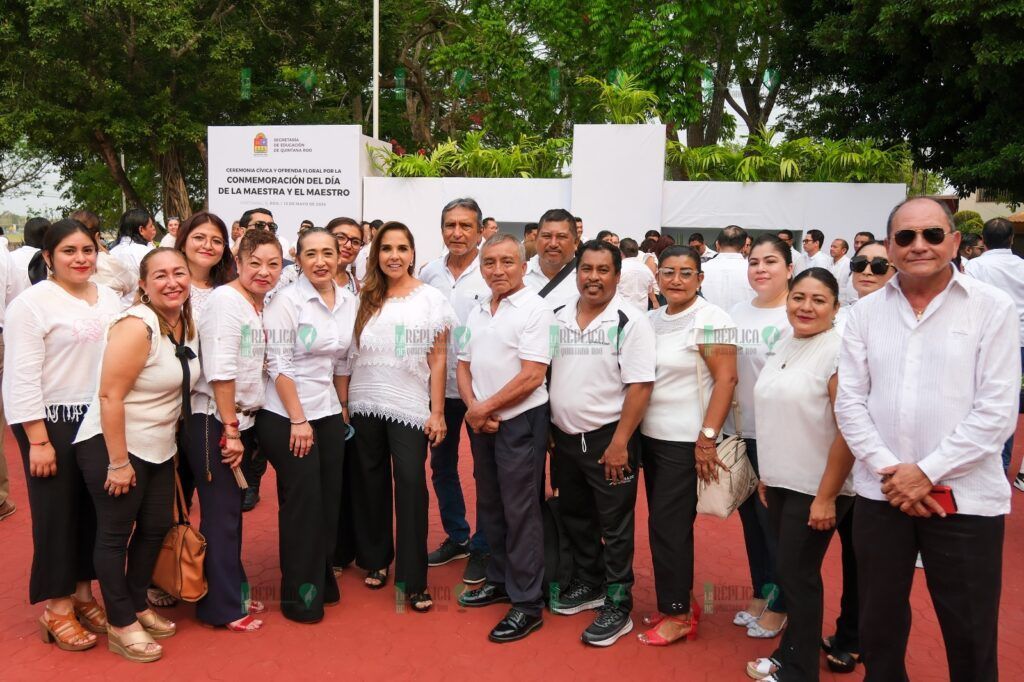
(680, 250)
(57, 232)
(311, 231)
(780, 246)
(224, 271)
(820, 274)
(131, 222)
(871, 243)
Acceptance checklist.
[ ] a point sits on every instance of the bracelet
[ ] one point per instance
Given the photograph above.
(111, 467)
(233, 424)
(235, 437)
(304, 421)
(40, 443)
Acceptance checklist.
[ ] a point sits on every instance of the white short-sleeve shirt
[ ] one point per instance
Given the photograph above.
(795, 422)
(759, 331)
(676, 412)
(591, 368)
(521, 327)
(536, 280)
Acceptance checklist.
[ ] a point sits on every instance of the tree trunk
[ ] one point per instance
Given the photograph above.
(105, 148)
(173, 190)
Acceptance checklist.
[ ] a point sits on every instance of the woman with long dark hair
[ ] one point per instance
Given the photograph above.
(126, 446)
(135, 235)
(350, 243)
(55, 334)
(397, 404)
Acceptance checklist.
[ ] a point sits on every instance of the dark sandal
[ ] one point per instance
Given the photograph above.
(421, 598)
(838, 661)
(381, 576)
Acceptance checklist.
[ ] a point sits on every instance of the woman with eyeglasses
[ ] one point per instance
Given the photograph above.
(693, 386)
(871, 270)
(350, 242)
(805, 467)
(761, 324)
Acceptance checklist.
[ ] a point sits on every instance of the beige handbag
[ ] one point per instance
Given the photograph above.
(179, 567)
(722, 497)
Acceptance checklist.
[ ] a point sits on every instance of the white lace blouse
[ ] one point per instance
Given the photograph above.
(390, 374)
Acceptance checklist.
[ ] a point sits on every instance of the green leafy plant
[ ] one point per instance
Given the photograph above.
(529, 157)
(622, 100)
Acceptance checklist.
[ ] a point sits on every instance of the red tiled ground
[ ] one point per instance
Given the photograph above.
(365, 638)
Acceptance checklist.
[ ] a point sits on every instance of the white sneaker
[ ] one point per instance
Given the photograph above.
(1018, 482)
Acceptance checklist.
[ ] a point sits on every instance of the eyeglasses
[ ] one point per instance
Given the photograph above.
(670, 273)
(932, 235)
(806, 240)
(344, 239)
(264, 225)
(879, 265)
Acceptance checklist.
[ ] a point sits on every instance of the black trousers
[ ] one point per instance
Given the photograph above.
(761, 543)
(130, 528)
(801, 553)
(63, 517)
(509, 470)
(309, 500)
(963, 566)
(220, 501)
(347, 550)
(594, 511)
(254, 465)
(847, 624)
(670, 477)
(387, 448)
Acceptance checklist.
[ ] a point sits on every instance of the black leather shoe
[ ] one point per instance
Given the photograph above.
(488, 593)
(515, 625)
(251, 497)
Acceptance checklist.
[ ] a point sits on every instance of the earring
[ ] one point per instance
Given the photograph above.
(144, 298)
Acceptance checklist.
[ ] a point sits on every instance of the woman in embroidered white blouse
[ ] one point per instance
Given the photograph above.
(396, 400)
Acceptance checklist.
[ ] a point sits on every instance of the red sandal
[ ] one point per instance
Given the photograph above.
(246, 624)
(256, 607)
(654, 638)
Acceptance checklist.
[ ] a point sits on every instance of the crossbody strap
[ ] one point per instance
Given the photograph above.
(557, 279)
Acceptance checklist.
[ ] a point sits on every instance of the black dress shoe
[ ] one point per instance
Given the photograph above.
(250, 498)
(515, 625)
(488, 593)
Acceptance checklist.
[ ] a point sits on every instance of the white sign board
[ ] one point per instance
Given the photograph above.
(617, 176)
(298, 172)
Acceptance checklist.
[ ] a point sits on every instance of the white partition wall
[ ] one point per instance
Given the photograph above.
(417, 202)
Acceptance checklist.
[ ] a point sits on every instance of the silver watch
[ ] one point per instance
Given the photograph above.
(708, 432)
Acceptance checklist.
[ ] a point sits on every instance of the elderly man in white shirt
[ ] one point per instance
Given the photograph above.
(636, 283)
(839, 265)
(456, 275)
(725, 276)
(928, 388)
(551, 273)
(1003, 269)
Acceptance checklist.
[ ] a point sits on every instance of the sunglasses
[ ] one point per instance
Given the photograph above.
(932, 235)
(264, 225)
(879, 265)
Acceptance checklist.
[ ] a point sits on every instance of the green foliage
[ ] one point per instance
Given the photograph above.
(968, 222)
(530, 157)
(623, 100)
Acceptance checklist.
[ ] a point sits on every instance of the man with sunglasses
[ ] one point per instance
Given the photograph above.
(263, 219)
(929, 377)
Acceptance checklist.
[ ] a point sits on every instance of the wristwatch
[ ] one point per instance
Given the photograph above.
(708, 432)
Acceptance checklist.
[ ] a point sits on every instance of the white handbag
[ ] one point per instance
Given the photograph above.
(722, 497)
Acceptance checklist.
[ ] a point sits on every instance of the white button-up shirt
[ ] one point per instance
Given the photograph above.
(309, 343)
(841, 269)
(18, 276)
(635, 282)
(591, 368)
(1004, 270)
(725, 281)
(464, 293)
(521, 327)
(941, 392)
(536, 280)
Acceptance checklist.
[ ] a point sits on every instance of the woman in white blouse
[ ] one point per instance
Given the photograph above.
(805, 467)
(126, 446)
(761, 325)
(397, 406)
(220, 431)
(54, 342)
(350, 243)
(302, 425)
(695, 376)
(135, 236)
(109, 271)
(203, 239)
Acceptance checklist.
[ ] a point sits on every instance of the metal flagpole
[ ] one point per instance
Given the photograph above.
(376, 69)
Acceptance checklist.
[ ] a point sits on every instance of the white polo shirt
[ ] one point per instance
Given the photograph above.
(521, 327)
(464, 294)
(536, 280)
(725, 280)
(590, 368)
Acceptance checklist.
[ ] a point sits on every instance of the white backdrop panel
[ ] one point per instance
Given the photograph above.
(617, 177)
(417, 202)
(839, 210)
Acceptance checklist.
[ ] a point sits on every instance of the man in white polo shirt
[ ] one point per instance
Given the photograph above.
(725, 276)
(508, 421)
(602, 375)
(929, 376)
(457, 275)
(550, 272)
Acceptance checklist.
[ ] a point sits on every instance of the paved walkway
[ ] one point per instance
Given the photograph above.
(366, 637)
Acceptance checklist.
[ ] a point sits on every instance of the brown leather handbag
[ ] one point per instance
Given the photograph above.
(179, 566)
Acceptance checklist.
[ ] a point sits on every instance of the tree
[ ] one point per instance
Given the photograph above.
(943, 76)
(21, 170)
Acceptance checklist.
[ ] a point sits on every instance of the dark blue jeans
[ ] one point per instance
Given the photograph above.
(761, 543)
(1008, 446)
(444, 467)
